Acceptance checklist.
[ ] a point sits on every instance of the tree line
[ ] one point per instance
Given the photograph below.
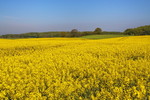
(142, 30)
(72, 33)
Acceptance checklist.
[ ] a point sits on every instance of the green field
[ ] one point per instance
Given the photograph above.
(101, 36)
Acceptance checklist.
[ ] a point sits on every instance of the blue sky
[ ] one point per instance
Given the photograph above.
(20, 16)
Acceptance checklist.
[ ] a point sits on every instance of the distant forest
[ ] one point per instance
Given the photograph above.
(143, 30)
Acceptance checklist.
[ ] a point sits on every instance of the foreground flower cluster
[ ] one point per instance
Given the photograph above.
(75, 69)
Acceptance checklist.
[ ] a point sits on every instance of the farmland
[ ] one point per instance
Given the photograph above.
(102, 36)
(75, 69)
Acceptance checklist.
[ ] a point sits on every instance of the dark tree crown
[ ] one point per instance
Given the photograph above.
(98, 30)
(74, 31)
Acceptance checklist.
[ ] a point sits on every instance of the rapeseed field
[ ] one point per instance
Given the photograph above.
(75, 69)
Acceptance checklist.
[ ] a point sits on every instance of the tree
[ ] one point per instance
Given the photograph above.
(98, 31)
(129, 32)
(74, 32)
